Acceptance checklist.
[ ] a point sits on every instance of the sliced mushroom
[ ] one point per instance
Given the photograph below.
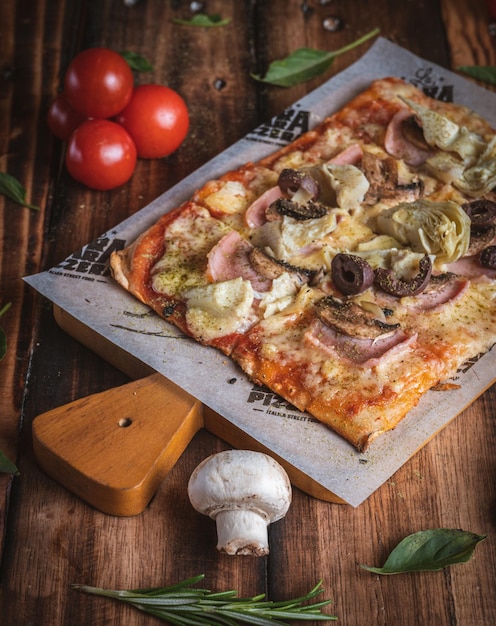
(301, 212)
(411, 128)
(383, 176)
(269, 267)
(394, 285)
(438, 282)
(351, 274)
(487, 257)
(348, 318)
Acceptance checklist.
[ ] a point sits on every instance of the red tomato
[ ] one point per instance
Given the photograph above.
(62, 118)
(98, 83)
(157, 119)
(101, 155)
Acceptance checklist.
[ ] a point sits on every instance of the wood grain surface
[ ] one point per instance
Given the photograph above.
(49, 537)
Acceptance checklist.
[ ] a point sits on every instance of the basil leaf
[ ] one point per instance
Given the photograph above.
(6, 466)
(429, 551)
(12, 189)
(304, 64)
(485, 73)
(136, 62)
(206, 21)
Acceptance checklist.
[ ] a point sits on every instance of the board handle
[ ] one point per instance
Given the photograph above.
(114, 448)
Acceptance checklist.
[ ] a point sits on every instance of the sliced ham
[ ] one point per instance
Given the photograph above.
(364, 352)
(438, 294)
(255, 213)
(349, 156)
(469, 267)
(397, 144)
(230, 258)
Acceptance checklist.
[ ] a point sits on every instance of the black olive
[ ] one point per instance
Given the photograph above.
(400, 287)
(482, 212)
(291, 180)
(351, 274)
(487, 257)
(480, 238)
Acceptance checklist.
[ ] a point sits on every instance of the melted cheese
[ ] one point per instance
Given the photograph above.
(459, 330)
(231, 198)
(187, 242)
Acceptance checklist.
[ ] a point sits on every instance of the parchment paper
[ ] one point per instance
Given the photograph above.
(81, 285)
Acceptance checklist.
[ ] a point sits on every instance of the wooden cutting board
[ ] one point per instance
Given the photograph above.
(113, 449)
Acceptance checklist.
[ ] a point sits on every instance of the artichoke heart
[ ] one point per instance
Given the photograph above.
(441, 229)
(218, 309)
(445, 166)
(296, 235)
(286, 237)
(343, 185)
(281, 295)
(480, 178)
(403, 261)
(441, 132)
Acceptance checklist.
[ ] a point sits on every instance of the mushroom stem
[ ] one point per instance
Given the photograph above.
(242, 531)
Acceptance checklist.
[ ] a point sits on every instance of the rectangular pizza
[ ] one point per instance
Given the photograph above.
(350, 271)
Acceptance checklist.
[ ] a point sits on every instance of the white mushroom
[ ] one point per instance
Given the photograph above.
(244, 491)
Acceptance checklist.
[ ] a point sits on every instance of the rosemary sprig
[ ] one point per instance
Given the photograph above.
(181, 605)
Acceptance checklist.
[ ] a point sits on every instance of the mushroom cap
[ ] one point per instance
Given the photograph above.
(240, 479)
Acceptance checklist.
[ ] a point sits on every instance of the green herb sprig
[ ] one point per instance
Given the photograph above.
(181, 605)
(6, 465)
(305, 63)
(12, 189)
(429, 551)
(484, 73)
(204, 21)
(136, 62)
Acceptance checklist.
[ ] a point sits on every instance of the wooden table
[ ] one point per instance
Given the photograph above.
(50, 538)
